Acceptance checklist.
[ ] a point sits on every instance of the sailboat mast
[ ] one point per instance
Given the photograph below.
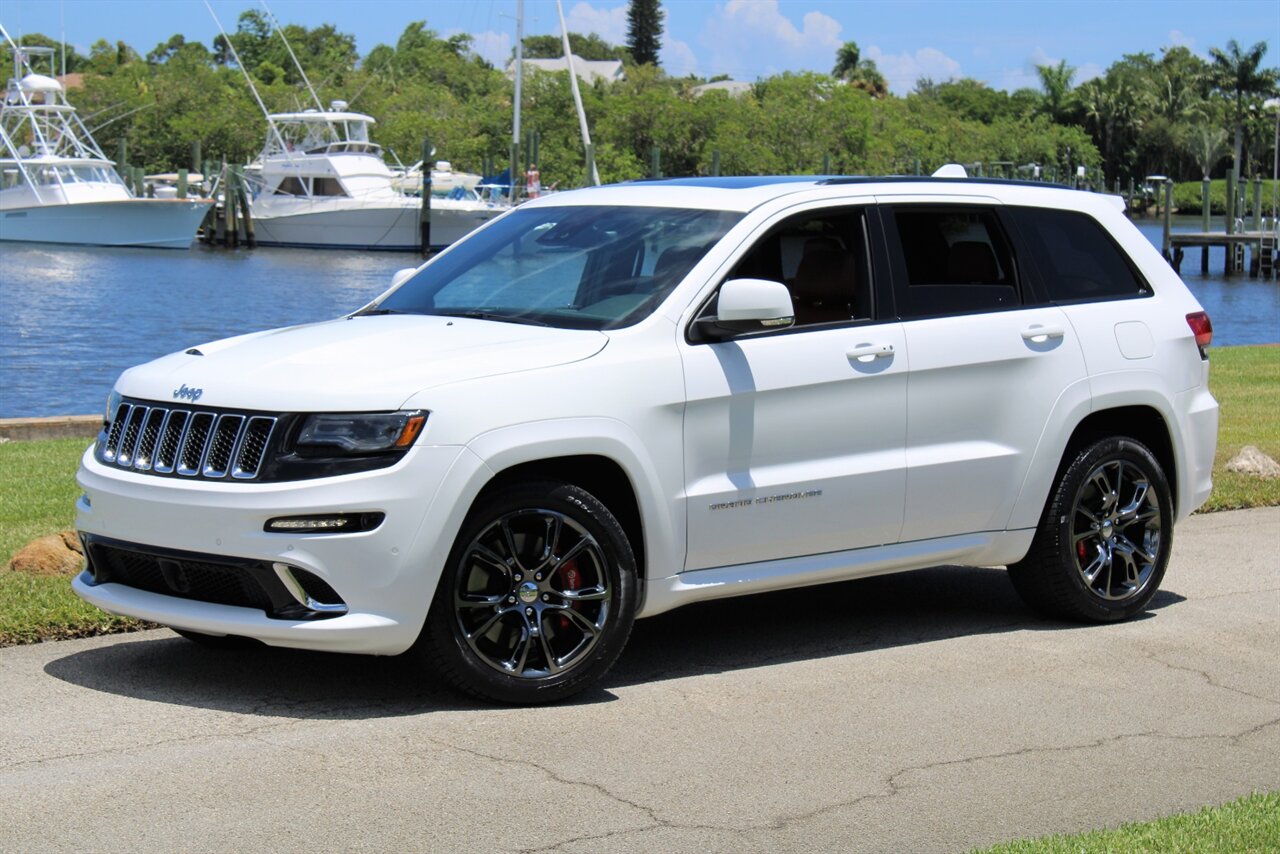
(515, 125)
(577, 96)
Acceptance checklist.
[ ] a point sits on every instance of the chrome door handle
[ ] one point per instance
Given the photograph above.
(1039, 334)
(870, 352)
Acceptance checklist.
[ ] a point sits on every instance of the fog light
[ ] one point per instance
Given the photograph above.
(329, 523)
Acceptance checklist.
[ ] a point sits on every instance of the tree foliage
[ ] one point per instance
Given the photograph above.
(1170, 114)
(644, 31)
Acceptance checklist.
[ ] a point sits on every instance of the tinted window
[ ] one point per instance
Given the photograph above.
(822, 259)
(1077, 257)
(957, 260)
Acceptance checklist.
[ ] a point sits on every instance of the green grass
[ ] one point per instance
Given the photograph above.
(38, 493)
(1250, 825)
(1246, 382)
(37, 497)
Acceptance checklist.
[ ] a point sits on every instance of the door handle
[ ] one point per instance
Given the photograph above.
(1039, 334)
(870, 352)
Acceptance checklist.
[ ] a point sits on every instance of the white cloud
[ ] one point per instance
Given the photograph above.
(494, 47)
(678, 59)
(901, 71)
(1026, 77)
(608, 24)
(1180, 39)
(752, 38)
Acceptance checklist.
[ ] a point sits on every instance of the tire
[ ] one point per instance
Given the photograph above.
(217, 641)
(1103, 543)
(537, 599)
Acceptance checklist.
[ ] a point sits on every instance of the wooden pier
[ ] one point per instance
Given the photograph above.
(1261, 246)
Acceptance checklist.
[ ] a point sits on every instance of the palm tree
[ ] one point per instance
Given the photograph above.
(1208, 145)
(1240, 76)
(858, 72)
(1056, 82)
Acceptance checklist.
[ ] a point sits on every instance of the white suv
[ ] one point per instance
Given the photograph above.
(612, 402)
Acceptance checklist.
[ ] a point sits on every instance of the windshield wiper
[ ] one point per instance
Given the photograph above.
(478, 314)
(373, 312)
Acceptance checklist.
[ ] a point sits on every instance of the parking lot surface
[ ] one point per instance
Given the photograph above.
(925, 712)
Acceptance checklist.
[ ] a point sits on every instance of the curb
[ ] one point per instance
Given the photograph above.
(56, 427)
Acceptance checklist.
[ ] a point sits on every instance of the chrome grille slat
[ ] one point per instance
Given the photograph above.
(165, 440)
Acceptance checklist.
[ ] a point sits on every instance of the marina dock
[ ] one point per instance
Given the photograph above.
(1260, 247)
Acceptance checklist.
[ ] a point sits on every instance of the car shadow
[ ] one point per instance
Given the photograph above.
(710, 637)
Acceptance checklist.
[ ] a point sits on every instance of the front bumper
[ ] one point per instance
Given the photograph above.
(386, 577)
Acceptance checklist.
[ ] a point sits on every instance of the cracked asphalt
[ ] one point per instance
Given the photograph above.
(921, 712)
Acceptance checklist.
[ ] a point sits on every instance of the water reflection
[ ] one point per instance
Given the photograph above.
(73, 318)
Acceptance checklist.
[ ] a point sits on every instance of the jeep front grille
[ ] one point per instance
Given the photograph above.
(165, 440)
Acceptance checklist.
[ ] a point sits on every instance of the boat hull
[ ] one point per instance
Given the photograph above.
(391, 228)
(155, 223)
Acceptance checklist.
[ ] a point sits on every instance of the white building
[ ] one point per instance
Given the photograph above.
(589, 70)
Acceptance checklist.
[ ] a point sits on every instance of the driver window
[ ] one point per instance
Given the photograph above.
(822, 259)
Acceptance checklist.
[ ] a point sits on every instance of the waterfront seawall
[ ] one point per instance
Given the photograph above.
(56, 427)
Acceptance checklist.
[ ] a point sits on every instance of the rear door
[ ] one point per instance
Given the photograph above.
(987, 365)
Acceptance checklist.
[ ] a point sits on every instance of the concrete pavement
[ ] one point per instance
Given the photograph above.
(921, 712)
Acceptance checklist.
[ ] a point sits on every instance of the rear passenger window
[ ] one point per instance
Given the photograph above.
(1076, 257)
(957, 261)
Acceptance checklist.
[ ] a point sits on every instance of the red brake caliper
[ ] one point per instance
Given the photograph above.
(570, 579)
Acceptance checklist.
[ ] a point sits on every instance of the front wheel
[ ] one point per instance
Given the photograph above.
(538, 597)
(1103, 544)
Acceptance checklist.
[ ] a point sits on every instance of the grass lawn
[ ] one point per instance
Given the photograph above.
(1250, 825)
(37, 497)
(38, 494)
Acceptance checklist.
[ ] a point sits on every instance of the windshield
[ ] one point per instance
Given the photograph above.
(581, 267)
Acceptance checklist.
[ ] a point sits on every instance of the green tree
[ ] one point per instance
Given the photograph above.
(1240, 77)
(589, 46)
(858, 72)
(644, 31)
(1056, 82)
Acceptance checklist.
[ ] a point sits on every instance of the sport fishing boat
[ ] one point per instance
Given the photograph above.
(323, 183)
(56, 186)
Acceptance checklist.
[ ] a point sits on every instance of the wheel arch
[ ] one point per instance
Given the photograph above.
(600, 475)
(1144, 423)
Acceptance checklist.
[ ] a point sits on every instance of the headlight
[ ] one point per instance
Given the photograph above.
(359, 433)
(113, 406)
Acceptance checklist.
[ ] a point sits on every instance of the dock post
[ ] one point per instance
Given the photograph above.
(195, 155)
(250, 237)
(220, 216)
(424, 220)
(1205, 187)
(516, 171)
(1168, 224)
(1228, 265)
(591, 164)
(233, 208)
(655, 162)
(1257, 203)
(182, 183)
(715, 163)
(826, 164)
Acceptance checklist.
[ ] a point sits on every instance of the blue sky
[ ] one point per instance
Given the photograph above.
(996, 41)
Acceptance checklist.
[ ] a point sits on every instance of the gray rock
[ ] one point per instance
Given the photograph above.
(1252, 461)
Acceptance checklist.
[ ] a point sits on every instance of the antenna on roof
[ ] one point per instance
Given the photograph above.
(951, 170)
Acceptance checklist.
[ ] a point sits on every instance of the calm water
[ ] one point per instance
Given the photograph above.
(73, 318)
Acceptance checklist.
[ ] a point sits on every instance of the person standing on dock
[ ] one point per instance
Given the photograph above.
(533, 181)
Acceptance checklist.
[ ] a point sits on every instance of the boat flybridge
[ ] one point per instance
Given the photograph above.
(321, 182)
(56, 186)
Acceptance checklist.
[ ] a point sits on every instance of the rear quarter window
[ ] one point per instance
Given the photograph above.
(1077, 258)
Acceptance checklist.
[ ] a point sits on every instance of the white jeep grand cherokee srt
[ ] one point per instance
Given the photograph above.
(611, 402)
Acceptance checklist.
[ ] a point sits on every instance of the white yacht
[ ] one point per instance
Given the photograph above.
(323, 183)
(56, 186)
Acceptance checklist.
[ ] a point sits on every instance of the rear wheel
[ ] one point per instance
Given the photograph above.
(538, 597)
(1103, 544)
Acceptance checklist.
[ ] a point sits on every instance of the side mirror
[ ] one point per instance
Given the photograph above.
(401, 275)
(748, 305)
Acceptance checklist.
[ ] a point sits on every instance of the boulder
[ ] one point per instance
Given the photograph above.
(1253, 461)
(56, 554)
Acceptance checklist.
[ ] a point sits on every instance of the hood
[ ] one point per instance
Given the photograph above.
(353, 364)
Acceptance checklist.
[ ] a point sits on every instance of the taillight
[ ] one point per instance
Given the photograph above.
(1202, 327)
